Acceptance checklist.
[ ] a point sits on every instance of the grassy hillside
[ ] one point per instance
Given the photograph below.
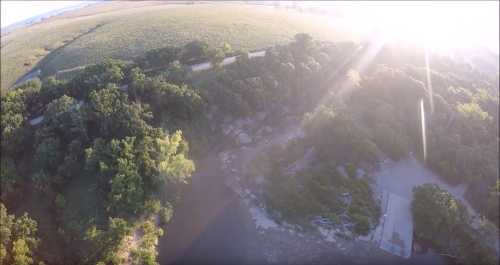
(127, 30)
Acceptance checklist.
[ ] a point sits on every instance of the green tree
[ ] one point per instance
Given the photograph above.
(115, 116)
(104, 244)
(161, 57)
(48, 155)
(436, 213)
(96, 77)
(8, 174)
(146, 253)
(443, 220)
(21, 254)
(194, 51)
(18, 240)
(216, 56)
(176, 73)
(493, 203)
(173, 164)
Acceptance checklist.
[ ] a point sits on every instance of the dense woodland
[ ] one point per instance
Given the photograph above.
(113, 148)
(444, 221)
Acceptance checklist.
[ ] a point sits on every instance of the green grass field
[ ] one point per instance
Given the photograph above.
(126, 30)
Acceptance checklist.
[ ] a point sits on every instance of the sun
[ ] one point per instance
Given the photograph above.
(435, 25)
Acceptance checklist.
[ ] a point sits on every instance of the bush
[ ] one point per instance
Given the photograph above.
(165, 214)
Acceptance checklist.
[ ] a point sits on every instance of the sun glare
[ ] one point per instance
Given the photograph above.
(437, 25)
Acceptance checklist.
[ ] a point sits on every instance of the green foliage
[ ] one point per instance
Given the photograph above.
(176, 72)
(321, 192)
(195, 51)
(172, 104)
(436, 213)
(47, 155)
(135, 168)
(99, 135)
(146, 252)
(216, 56)
(8, 174)
(152, 207)
(21, 254)
(115, 116)
(472, 111)
(98, 76)
(18, 239)
(165, 214)
(363, 210)
(13, 114)
(161, 57)
(291, 75)
(60, 201)
(104, 244)
(443, 220)
(337, 138)
(64, 118)
(16, 106)
(173, 164)
(96, 141)
(493, 203)
(462, 132)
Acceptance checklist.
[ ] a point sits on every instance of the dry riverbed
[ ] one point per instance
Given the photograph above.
(222, 221)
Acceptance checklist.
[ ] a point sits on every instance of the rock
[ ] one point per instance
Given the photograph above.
(228, 119)
(225, 159)
(237, 131)
(214, 109)
(238, 124)
(243, 138)
(255, 82)
(259, 179)
(226, 129)
(261, 116)
(266, 130)
(342, 171)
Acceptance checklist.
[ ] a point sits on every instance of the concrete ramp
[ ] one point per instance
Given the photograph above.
(397, 226)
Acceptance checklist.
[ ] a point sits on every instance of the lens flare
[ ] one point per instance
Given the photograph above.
(424, 138)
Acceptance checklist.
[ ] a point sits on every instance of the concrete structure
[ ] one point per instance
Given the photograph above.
(396, 235)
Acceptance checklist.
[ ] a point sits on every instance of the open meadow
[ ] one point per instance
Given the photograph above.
(126, 30)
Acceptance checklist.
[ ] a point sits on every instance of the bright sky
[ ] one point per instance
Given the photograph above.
(442, 24)
(16, 11)
(438, 23)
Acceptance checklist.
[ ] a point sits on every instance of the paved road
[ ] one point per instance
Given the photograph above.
(226, 61)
